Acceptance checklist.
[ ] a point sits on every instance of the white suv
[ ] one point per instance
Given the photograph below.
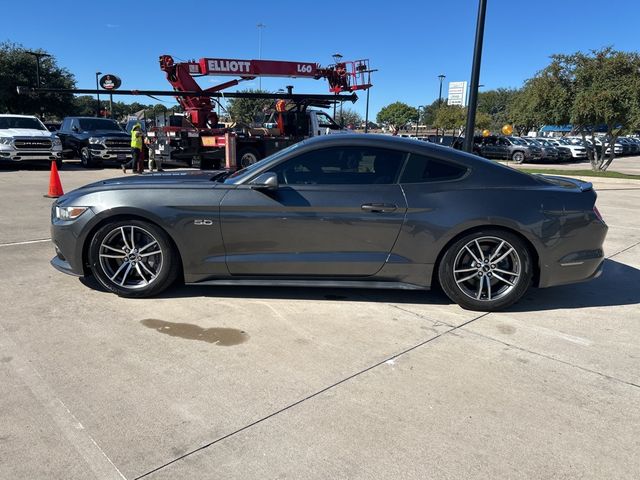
(25, 138)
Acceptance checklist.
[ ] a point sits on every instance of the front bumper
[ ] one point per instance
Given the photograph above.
(29, 155)
(118, 154)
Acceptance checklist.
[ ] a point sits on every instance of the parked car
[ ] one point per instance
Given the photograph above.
(549, 153)
(337, 211)
(95, 140)
(505, 148)
(629, 147)
(577, 151)
(564, 152)
(618, 149)
(24, 138)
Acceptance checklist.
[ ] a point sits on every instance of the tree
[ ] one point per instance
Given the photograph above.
(18, 68)
(495, 104)
(397, 115)
(601, 88)
(346, 117)
(450, 117)
(248, 110)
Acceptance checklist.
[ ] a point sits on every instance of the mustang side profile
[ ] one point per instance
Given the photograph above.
(337, 211)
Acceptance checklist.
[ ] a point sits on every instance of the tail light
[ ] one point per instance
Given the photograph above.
(598, 214)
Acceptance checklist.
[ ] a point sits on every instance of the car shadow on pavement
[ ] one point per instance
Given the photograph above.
(618, 285)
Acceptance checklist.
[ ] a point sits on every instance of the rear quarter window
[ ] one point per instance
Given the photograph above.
(422, 169)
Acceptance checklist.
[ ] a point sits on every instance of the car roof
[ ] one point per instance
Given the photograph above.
(15, 115)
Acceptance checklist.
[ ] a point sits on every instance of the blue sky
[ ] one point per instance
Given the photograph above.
(410, 42)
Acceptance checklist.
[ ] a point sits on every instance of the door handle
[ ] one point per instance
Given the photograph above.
(379, 207)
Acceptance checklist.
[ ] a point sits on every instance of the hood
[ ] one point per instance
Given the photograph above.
(106, 133)
(24, 132)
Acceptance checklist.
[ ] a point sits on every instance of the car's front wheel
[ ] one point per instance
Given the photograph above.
(486, 270)
(133, 258)
(86, 159)
(517, 157)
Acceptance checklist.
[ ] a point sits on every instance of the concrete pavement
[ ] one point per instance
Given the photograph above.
(312, 383)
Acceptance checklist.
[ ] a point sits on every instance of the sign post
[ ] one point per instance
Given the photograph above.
(110, 82)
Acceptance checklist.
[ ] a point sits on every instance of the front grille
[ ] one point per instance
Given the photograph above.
(117, 143)
(32, 144)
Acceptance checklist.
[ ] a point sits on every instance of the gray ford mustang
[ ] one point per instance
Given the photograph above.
(337, 211)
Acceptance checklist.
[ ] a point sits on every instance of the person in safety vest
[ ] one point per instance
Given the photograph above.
(136, 150)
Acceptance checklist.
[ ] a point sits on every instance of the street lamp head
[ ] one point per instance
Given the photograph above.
(337, 57)
(442, 77)
(98, 73)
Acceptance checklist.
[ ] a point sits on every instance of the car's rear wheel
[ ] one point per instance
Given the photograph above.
(486, 270)
(517, 157)
(248, 156)
(133, 258)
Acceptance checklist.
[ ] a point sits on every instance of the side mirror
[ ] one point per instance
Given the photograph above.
(265, 181)
(74, 128)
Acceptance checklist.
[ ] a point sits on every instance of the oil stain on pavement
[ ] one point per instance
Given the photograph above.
(224, 337)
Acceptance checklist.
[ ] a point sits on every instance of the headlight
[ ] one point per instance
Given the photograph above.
(55, 142)
(69, 213)
(94, 140)
(5, 140)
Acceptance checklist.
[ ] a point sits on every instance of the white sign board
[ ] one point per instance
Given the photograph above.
(457, 94)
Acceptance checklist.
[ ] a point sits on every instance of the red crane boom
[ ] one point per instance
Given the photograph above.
(342, 77)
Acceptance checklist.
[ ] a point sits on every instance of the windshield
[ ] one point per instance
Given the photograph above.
(91, 124)
(261, 163)
(325, 121)
(21, 122)
(517, 141)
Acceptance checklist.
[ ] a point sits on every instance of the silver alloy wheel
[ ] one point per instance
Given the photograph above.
(518, 157)
(130, 257)
(487, 268)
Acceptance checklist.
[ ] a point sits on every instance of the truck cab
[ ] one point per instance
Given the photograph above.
(24, 138)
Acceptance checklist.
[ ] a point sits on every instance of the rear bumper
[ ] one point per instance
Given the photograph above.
(575, 259)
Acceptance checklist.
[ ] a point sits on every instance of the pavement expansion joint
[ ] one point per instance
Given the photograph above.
(549, 357)
(26, 242)
(624, 250)
(385, 361)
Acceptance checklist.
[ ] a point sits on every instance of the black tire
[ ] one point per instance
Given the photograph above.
(111, 240)
(518, 157)
(469, 289)
(85, 157)
(247, 156)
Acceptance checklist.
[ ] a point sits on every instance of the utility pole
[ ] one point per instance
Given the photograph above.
(260, 27)
(475, 78)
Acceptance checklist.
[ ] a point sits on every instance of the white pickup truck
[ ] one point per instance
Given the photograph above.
(24, 138)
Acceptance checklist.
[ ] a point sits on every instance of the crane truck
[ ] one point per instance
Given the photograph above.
(197, 139)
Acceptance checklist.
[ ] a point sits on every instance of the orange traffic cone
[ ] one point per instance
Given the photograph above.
(55, 186)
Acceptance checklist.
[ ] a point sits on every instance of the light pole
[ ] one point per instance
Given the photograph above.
(260, 26)
(475, 78)
(441, 77)
(98, 93)
(418, 122)
(38, 56)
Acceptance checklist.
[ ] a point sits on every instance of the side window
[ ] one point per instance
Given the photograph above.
(421, 169)
(342, 166)
(66, 125)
